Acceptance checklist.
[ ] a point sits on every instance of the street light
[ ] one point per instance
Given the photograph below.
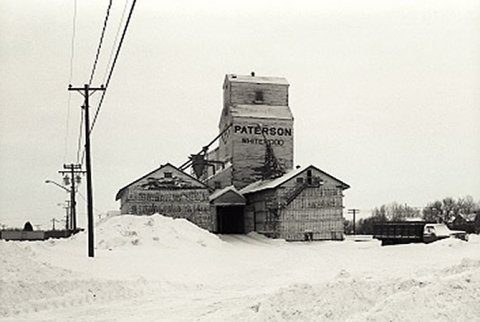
(73, 203)
(58, 185)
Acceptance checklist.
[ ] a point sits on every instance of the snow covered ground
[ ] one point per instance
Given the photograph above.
(154, 268)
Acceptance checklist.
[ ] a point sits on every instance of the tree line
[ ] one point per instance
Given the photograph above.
(461, 213)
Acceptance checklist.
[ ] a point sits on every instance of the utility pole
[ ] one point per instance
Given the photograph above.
(66, 206)
(72, 170)
(86, 91)
(354, 212)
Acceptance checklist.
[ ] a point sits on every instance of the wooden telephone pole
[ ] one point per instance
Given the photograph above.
(354, 212)
(86, 91)
(72, 170)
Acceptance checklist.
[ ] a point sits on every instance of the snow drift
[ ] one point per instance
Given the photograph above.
(155, 230)
(154, 268)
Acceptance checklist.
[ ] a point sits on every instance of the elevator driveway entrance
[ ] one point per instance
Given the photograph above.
(229, 211)
(230, 219)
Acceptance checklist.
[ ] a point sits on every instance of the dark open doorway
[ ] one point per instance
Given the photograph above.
(230, 220)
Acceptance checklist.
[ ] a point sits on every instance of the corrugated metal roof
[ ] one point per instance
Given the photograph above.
(256, 79)
(262, 111)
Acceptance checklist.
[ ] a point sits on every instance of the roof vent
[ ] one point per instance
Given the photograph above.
(253, 74)
(234, 76)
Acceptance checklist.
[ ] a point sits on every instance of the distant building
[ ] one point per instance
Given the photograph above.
(466, 222)
(248, 182)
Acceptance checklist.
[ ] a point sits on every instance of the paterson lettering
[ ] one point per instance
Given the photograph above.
(264, 130)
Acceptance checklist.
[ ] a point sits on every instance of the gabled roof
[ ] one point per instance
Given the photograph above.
(274, 183)
(122, 190)
(466, 217)
(234, 78)
(228, 195)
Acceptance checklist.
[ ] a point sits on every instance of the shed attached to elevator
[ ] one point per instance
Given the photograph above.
(170, 192)
(303, 204)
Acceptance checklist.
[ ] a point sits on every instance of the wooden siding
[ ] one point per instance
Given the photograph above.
(245, 93)
(213, 218)
(169, 192)
(248, 154)
(259, 208)
(249, 221)
(244, 143)
(315, 210)
(295, 208)
(191, 204)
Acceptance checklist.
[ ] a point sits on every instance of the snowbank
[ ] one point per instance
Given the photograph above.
(155, 230)
(28, 284)
(446, 296)
(155, 268)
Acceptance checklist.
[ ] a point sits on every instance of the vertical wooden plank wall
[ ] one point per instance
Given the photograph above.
(245, 93)
(315, 210)
(243, 144)
(249, 149)
(191, 204)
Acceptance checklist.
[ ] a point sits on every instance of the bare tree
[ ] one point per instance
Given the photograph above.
(395, 212)
(448, 209)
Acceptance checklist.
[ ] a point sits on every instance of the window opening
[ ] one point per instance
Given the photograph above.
(258, 97)
(309, 177)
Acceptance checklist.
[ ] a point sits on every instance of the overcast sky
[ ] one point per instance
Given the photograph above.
(385, 94)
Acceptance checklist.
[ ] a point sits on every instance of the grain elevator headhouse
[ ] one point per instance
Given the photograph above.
(257, 127)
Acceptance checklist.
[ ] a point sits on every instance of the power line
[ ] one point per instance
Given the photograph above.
(116, 40)
(101, 212)
(107, 80)
(72, 51)
(102, 35)
(100, 42)
(80, 140)
(113, 64)
(72, 56)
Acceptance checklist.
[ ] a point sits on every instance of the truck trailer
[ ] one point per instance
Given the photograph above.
(404, 232)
